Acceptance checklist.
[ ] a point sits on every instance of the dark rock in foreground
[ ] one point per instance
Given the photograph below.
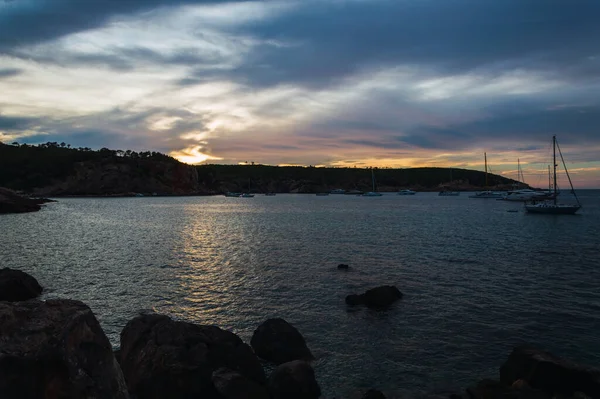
(490, 389)
(232, 385)
(11, 202)
(55, 349)
(16, 285)
(162, 358)
(373, 394)
(293, 380)
(342, 266)
(379, 297)
(553, 375)
(278, 341)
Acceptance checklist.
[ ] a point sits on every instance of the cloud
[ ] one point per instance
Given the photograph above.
(33, 21)
(336, 82)
(9, 72)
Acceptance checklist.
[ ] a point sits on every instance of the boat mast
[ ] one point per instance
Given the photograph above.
(373, 178)
(486, 179)
(554, 161)
(549, 181)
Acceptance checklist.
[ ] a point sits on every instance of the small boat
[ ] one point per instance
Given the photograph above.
(406, 192)
(447, 193)
(322, 194)
(373, 193)
(487, 194)
(232, 194)
(246, 195)
(354, 192)
(525, 195)
(338, 191)
(551, 207)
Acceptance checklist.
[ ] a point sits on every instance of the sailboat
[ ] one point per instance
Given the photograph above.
(486, 193)
(552, 207)
(247, 195)
(372, 193)
(446, 192)
(525, 194)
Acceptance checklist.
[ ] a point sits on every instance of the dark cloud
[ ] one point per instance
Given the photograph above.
(331, 40)
(12, 123)
(9, 72)
(31, 22)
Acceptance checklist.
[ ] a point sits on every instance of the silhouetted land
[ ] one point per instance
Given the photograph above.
(54, 169)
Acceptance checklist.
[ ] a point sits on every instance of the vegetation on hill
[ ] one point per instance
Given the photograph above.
(57, 169)
(262, 178)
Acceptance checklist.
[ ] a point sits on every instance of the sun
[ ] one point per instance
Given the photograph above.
(192, 155)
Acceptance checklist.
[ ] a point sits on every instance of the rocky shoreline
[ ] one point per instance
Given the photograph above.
(56, 349)
(12, 202)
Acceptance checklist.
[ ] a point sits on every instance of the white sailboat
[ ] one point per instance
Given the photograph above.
(486, 193)
(552, 207)
(372, 193)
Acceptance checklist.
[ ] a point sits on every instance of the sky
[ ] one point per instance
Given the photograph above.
(386, 83)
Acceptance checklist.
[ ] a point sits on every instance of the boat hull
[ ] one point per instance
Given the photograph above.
(553, 209)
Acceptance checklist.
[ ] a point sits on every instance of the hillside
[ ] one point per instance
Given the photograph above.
(51, 169)
(54, 169)
(295, 179)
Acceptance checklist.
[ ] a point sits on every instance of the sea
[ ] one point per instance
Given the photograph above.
(479, 276)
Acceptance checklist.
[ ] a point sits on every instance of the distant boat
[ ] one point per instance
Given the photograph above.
(232, 194)
(551, 207)
(354, 192)
(246, 195)
(526, 194)
(406, 192)
(487, 193)
(338, 191)
(322, 194)
(447, 193)
(372, 193)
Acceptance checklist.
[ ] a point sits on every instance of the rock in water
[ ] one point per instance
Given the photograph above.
(549, 373)
(294, 380)
(379, 297)
(56, 349)
(16, 285)
(278, 341)
(162, 358)
(342, 266)
(232, 385)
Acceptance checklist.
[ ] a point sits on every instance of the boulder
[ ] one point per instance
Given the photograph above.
(342, 266)
(232, 385)
(293, 380)
(379, 297)
(278, 341)
(549, 373)
(55, 349)
(16, 285)
(163, 358)
(490, 389)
